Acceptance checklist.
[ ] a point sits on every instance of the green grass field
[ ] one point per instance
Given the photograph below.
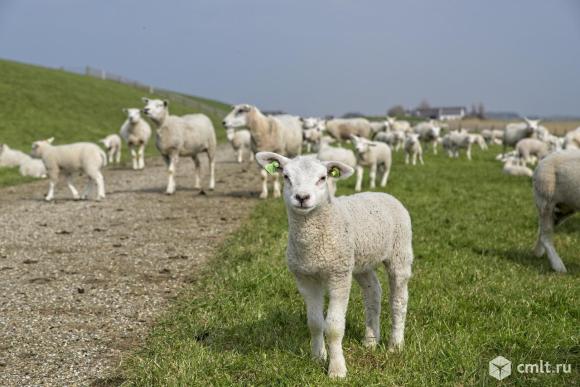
(40, 103)
(477, 292)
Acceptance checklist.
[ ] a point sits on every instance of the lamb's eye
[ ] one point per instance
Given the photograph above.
(286, 177)
(322, 179)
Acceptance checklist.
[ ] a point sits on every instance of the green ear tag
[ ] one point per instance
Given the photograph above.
(272, 167)
(334, 172)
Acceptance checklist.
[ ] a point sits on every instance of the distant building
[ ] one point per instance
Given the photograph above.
(441, 113)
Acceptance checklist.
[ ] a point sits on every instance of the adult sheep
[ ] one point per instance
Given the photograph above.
(330, 241)
(185, 136)
(428, 133)
(342, 128)
(515, 132)
(136, 133)
(557, 196)
(281, 134)
(397, 125)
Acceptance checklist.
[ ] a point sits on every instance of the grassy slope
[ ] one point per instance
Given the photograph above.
(39, 103)
(477, 292)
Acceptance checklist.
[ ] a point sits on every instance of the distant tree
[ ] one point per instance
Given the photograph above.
(352, 115)
(481, 111)
(424, 104)
(396, 111)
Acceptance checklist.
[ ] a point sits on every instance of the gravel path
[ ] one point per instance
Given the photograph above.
(81, 282)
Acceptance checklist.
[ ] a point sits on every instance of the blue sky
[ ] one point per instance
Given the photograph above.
(317, 57)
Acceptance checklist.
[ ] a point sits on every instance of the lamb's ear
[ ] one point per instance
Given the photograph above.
(165, 103)
(271, 162)
(338, 170)
(50, 140)
(146, 100)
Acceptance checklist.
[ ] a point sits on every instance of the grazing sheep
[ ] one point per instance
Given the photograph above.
(515, 132)
(113, 145)
(241, 141)
(330, 241)
(479, 140)
(186, 136)
(413, 148)
(557, 196)
(83, 157)
(281, 134)
(330, 153)
(33, 168)
(429, 133)
(342, 128)
(492, 136)
(572, 139)
(513, 167)
(11, 157)
(136, 133)
(529, 147)
(373, 155)
(398, 125)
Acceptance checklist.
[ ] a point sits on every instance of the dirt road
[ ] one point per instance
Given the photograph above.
(81, 282)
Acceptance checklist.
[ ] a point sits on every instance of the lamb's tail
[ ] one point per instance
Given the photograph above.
(103, 158)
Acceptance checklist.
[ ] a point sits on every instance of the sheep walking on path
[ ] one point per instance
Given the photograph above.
(557, 196)
(112, 144)
(330, 241)
(83, 157)
(186, 136)
(136, 133)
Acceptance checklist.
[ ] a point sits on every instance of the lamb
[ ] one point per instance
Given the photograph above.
(330, 153)
(113, 145)
(281, 134)
(33, 168)
(572, 139)
(457, 140)
(11, 157)
(342, 128)
(398, 125)
(330, 241)
(428, 132)
(557, 196)
(394, 138)
(479, 140)
(513, 167)
(136, 133)
(374, 155)
(241, 142)
(312, 132)
(377, 127)
(186, 136)
(515, 132)
(529, 147)
(413, 148)
(85, 157)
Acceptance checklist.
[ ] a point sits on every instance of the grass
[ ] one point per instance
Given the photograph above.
(40, 103)
(477, 292)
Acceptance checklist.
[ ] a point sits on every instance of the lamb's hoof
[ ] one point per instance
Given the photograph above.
(48, 199)
(559, 268)
(264, 195)
(277, 194)
(337, 371)
(539, 251)
(212, 188)
(370, 342)
(169, 192)
(320, 356)
(395, 347)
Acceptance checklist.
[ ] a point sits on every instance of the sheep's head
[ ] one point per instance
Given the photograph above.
(38, 146)
(238, 117)
(412, 137)
(305, 178)
(230, 133)
(133, 114)
(361, 145)
(155, 109)
(390, 121)
(532, 124)
(309, 123)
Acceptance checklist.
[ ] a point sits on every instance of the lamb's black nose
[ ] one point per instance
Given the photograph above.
(302, 198)
(223, 123)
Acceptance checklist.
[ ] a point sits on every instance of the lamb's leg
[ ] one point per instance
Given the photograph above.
(421, 158)
(141, 156)
(88, 189)
(134, 159)
(468, 152)
(435, 147)
(372, 292)
(118, 155)
(406, 157)
(385, 175)
(251, 155)
(359, 178)
(211, 160)
(196, 172)
(73, 190)
(545, 243)
(110, 155)
(373, 175)
(313, 293)
(399, 274)
(171, 162)
(100, 182)
(239, 152)
(53, 176)
(264, 193)
(338, 293)
(414, 158)
(308, 147)
(276, 190)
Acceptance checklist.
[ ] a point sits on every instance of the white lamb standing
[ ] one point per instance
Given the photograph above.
(531, 147)
(557, 196)
(312, 130)
(11, 157)
(281, 134)
(112, 144)
(413, 148)
(429, 132)
(33, 168)
(83, 157)
(331, 240)
(185, 136)
(136, 133)
(374, 155)
(241, 142)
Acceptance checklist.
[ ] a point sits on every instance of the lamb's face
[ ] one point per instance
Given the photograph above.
(155, 109)
(230, 133)
(133, 115)
(360, 144)
(38, 146)
(309, 123)
(305, 184)
(238, 117)
(413, 138)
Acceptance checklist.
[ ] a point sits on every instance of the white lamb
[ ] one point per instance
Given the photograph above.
(83, 157)
(112, 144)
(531, 147)
(512, 166)
(136, 133)
(413, 148)
(241, 141)
(313, 128)
(33, 168)
(331, 240)
(374, 155)
(429, 132)
(492, 136)
(398, 125)
(557, 196)
(186, 136)
(11, 157)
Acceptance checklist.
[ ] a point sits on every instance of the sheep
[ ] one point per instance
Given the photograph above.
(32, 168)
(413, 148)
(479, 140)
(492, 136)
(572, 139)
(429, 132)
(85, 157)
(330, 153)
(136, 133)
(342, 128)
(312, 129)
(241, 142)
(515, 132)
(394, 138)
(186, 136)
(374, 155)
(398, 125)
(11, 157)
(457, 140)
(281, 134)
(513, 167)
(377, 127)
(330, 241)
(529, 147)
(112, 144)
(556, 184)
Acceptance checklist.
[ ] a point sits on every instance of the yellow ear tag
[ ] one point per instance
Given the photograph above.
(272, 167)
(334, 172)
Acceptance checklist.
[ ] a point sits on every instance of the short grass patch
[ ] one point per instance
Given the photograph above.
(477, 292)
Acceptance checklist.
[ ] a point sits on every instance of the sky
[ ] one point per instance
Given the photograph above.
(317, 57)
